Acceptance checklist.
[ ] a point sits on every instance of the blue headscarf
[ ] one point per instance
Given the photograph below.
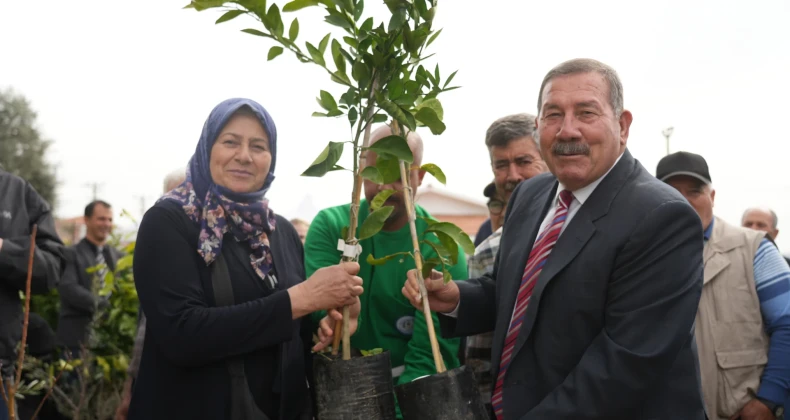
(218, 210)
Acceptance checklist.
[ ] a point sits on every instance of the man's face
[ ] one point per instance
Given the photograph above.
(518, 160)
(698, 194)
(760, 220)
(99, 225)
(580, 135)
(301, 229)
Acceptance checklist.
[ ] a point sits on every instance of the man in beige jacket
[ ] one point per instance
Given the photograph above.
(743, 321)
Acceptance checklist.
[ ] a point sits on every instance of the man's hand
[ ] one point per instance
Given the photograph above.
(442, 297)
(754, 410)
(327, 324)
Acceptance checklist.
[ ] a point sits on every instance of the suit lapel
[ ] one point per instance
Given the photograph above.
(577, 233)
(85, 260)
(532, 215)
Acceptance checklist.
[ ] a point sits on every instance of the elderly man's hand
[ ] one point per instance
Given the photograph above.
(326, 326)
(754, 410)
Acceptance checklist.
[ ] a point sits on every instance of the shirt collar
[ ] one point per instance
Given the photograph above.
(582, 194)
(709, 230)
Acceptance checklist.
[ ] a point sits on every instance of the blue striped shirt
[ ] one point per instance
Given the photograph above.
(772, 278)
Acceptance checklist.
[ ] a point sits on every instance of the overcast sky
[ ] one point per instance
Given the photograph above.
(123, 89)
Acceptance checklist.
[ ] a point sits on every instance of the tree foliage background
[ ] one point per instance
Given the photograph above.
(22, 149)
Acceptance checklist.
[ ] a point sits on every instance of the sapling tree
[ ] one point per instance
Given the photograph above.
(380, 69)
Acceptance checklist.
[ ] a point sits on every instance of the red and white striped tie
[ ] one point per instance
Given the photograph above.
(537, 259)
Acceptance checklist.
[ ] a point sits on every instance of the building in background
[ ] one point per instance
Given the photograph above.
(448, 206)
(70, 230)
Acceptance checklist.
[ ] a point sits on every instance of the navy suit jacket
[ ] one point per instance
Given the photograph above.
(609, 331)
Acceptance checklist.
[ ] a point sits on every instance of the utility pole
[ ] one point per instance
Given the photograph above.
(667, 134)
(142, 204)
(94, 189)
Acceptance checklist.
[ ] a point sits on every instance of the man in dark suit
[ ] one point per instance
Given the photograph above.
(593, 296)
(79, 298)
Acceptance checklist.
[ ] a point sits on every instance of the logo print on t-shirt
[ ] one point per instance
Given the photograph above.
(405, 325)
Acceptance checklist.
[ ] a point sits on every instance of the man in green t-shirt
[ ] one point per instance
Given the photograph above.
(387, 320)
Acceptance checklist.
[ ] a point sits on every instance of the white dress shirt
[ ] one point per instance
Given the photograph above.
(579, 197)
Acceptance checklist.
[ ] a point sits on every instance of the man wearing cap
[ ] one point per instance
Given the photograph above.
(743, 321)
(515, 156)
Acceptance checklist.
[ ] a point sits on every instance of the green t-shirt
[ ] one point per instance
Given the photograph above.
(387, 319)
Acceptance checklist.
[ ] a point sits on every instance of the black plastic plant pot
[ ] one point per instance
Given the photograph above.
(356, 389)
(450, 395)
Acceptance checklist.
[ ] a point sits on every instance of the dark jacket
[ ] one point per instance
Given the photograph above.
(182, 372)
(609, 329)
(78, 302)
(20, 208)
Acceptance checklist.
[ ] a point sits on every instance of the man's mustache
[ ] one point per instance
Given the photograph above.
(570, 148)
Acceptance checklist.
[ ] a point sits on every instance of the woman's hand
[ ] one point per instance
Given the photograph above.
(326, 326)
(329, 287)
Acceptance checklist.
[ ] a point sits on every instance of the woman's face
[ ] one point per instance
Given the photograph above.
(241, 157)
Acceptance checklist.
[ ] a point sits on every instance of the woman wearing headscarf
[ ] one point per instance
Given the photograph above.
(218, 221)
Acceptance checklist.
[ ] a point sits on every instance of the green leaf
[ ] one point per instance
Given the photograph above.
(428, 117)
(229, 15)
(447, 274)
(435, 171)
(338, 20)
(397, 20)
(274, 52)
(374, 222)
(433, 37)
(360, 73)
(449, 245)
(459, 236)
(337, 56)
(389, 168)
(201, 5)
(326, 161)
(371, 352)
(341, 78)
(299, 4)
(435, 105)
(421, 7)
(274, 18)
(450, 79)
(367, 25)
(428, 265)
(256, 32)
(379, 261)
(327, 101)
(109, 282)
(439, 249)
(352, 116)
(372, 174)
(381, 197)
(429, 221)
(323, 44)
(395, 146)
(380, 118)
(124, 262)
(436, 75)
(358, 10)
(396, 89)
(293, 31)
(344, 233)
(315, 54)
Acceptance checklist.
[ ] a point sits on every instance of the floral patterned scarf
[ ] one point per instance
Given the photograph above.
(218, 210)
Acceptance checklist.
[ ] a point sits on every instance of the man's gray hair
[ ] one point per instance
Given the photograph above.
(588, 65)
(765, 209)
(511, 127)
(175, 177)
